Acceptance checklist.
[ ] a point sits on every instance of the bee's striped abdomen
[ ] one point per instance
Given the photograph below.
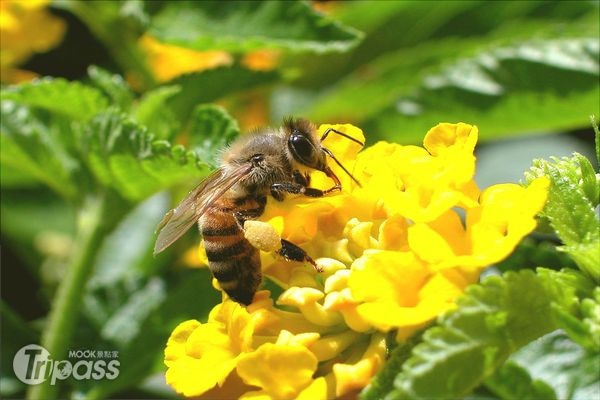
(233, 261)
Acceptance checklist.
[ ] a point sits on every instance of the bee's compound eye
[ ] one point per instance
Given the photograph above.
(301, 147)
(257, 158)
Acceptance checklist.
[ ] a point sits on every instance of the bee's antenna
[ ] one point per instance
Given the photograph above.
(341, 134)
(330, 172)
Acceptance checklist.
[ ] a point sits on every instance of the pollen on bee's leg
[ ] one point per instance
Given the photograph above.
(262, 235)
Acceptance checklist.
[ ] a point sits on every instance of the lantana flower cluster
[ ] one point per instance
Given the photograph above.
(396, 252)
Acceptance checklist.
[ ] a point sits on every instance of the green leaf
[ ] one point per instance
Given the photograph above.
(597, 137)
(590, 184)
(566, 367)
(113, 86)
(484, 82)
(28, 143)
(210, 85)
(531, 252)
(413, 24)
(575, 307)
(124, 156)
(241, 26)
(190, 296)
(125, 323)
(511, 381)
(493, 319)
(211, 128)
(15, 334)
(570, 210)
(590, 309)
(13, 177)
(383, 382)
(38, 226)
(152, 112)
(56, 95)
(125, 255)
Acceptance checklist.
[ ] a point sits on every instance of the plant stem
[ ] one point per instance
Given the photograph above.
(66, 305)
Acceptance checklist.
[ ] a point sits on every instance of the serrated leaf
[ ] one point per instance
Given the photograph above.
(590, 183)
(493, 319)
(56, 95)
(152, 112)
(29, 144)
(208, 86)
(576, 308)
(569, 209)
(241, 26)
(511, 381)
(211, 128)
(590, 309)
(124, 156)
(113, 86)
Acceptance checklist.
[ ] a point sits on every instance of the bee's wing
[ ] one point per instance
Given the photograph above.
(177, 221)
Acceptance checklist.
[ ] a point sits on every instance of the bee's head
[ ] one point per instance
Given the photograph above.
(306, 149)
(303, 144)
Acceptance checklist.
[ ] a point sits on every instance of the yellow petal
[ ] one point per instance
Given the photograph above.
(445, 136)
(284, 370)
(352, 377)
(506, 215)
(194, 350)
(428, 244)
(176, 343)
(183, 374)
(387, 276)
(305, 339)
(330, 346)
(317, 390)
(393, 234)
(307, 301)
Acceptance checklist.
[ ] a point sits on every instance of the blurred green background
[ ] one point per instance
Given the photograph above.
(525, 72)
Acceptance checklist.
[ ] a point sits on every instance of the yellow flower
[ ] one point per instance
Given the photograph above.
(286, 369)
(210, 351)
(168, 61)
(26, 28)
(396, 252)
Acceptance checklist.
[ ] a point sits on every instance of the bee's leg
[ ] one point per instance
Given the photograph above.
(277, 190)
(329, 130)
(302, 179)
(251, 213)
(290, 251)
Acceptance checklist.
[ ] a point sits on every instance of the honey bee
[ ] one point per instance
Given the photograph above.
(271, 162)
